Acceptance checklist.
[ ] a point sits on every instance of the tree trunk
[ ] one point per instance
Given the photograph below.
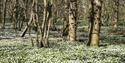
(46, 24)
(66, 20)
(95, 22)
(31, 20)
(27, 26)
(116, 15)
(4, 14)
(1, 13)
(72, 20)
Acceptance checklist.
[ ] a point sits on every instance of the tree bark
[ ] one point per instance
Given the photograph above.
(4, 14)
(95, 22)
(66, 20)
(47, 18)
(32, 16)
(72, 20)
(1, 13)
(116, 15)
(27, 26)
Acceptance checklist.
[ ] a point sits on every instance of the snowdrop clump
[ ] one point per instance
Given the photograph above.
(20, 52)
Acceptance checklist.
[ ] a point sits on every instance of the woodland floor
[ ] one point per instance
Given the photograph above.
(19, 50)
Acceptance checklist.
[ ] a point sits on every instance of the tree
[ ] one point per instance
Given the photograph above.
(116, 15)
(0, 13)
(4, 13)
(95, 22)
(65, 28)
(72, 20)
(32, 17)
(47, 18)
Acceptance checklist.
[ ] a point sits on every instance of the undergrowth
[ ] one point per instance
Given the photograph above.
(21, 51)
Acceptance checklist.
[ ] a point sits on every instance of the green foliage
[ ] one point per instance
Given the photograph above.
(16, 51)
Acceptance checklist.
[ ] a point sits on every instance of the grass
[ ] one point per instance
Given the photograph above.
(20, 51)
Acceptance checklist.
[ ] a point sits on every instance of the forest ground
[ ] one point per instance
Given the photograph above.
(19, 50)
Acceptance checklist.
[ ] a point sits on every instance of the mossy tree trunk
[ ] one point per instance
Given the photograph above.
(95, 22)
